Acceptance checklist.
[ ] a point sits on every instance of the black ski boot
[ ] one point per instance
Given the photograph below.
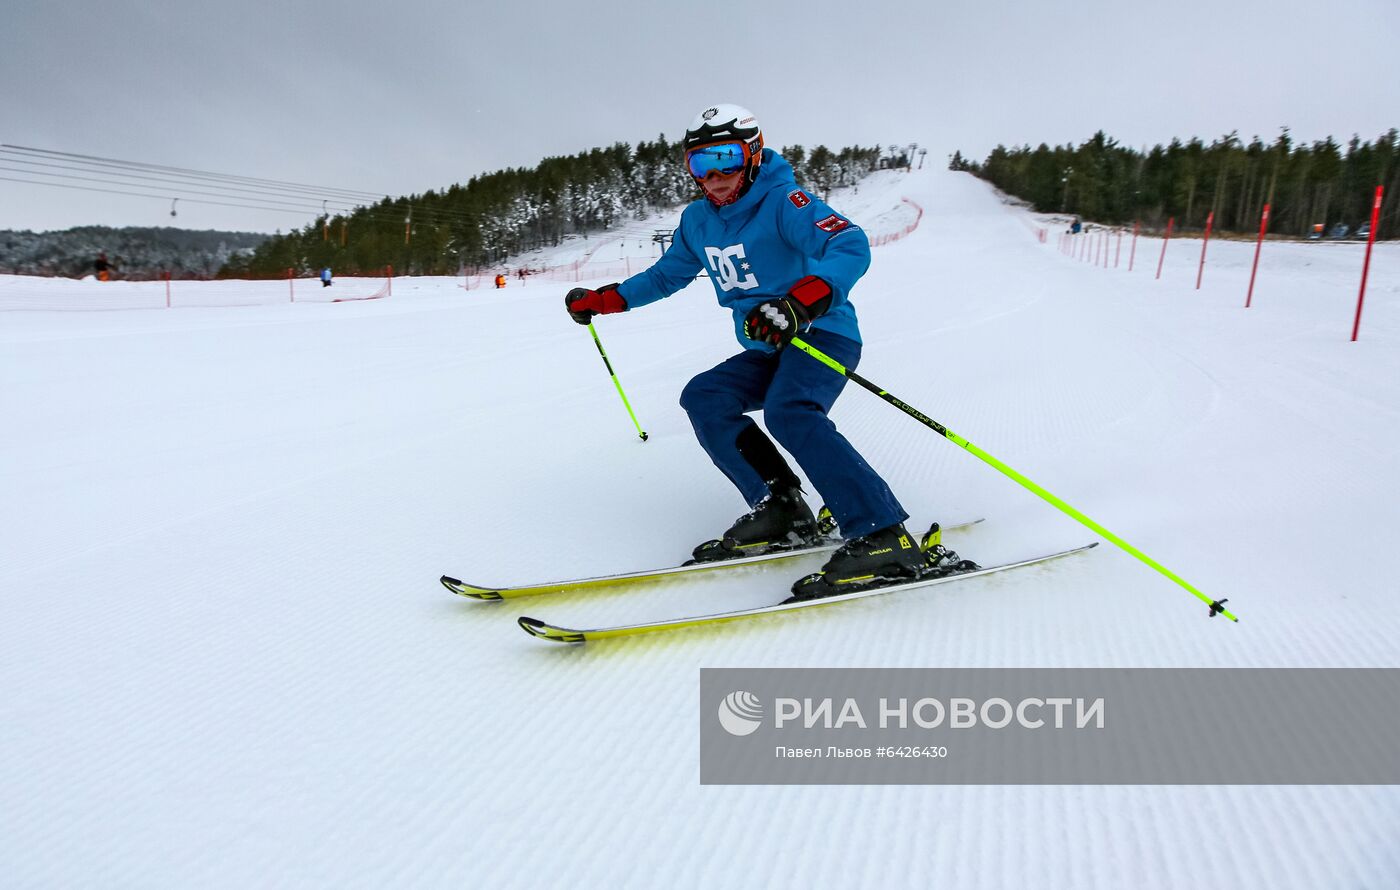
(781, 521)
(888, 556)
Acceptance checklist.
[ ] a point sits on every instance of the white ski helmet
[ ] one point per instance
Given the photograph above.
(726, 123)
(720, 123)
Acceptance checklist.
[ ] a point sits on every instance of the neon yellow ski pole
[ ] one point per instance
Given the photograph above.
(616, 382)
(1216, 606)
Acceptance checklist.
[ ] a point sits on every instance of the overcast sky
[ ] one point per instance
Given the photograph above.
(400, 97)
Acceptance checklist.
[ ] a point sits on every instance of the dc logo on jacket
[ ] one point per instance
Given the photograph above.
(722, 266)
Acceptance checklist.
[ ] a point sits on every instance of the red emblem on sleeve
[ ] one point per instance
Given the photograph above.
(832, 223)
(799, 198)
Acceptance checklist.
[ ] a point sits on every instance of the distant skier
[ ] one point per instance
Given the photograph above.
(783, 263)
(326, 277)
(101, 267)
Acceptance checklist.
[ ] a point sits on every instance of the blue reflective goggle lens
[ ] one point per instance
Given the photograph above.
(725, 159)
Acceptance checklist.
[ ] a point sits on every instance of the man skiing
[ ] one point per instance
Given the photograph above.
(784, 263)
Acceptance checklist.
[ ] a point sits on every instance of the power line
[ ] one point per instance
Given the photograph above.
(246, 192)
(319, 190)
(181, 193)
(159, 181)
(86, 188)
(184, 192)
(368, 213)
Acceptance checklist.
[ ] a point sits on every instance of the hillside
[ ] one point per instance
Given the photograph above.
(229, 662)
(136, 253)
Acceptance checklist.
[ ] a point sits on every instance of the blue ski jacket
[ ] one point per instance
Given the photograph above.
(757, 248)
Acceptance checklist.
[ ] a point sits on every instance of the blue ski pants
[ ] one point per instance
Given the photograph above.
(795, 392)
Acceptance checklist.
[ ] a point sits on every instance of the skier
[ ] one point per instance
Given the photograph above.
(783, 263)
(326, 277)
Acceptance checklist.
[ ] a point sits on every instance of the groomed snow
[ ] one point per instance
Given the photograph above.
(225, 659)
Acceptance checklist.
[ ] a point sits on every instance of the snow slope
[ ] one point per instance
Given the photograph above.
(225, 660)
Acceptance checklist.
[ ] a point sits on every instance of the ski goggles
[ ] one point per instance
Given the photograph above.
(724, 158)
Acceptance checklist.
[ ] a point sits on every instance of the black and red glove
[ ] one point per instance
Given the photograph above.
(583, 303)
(778, 321)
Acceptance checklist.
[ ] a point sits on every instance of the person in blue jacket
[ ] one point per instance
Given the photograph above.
(783, 263)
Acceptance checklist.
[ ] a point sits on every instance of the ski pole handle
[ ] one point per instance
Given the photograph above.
(616, 382)
(1216, 606)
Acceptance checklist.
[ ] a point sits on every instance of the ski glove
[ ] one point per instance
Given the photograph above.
(777, 321)
(583, 303)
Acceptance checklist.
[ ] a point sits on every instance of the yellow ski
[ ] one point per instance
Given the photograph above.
(545, 631)
(478, 592)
